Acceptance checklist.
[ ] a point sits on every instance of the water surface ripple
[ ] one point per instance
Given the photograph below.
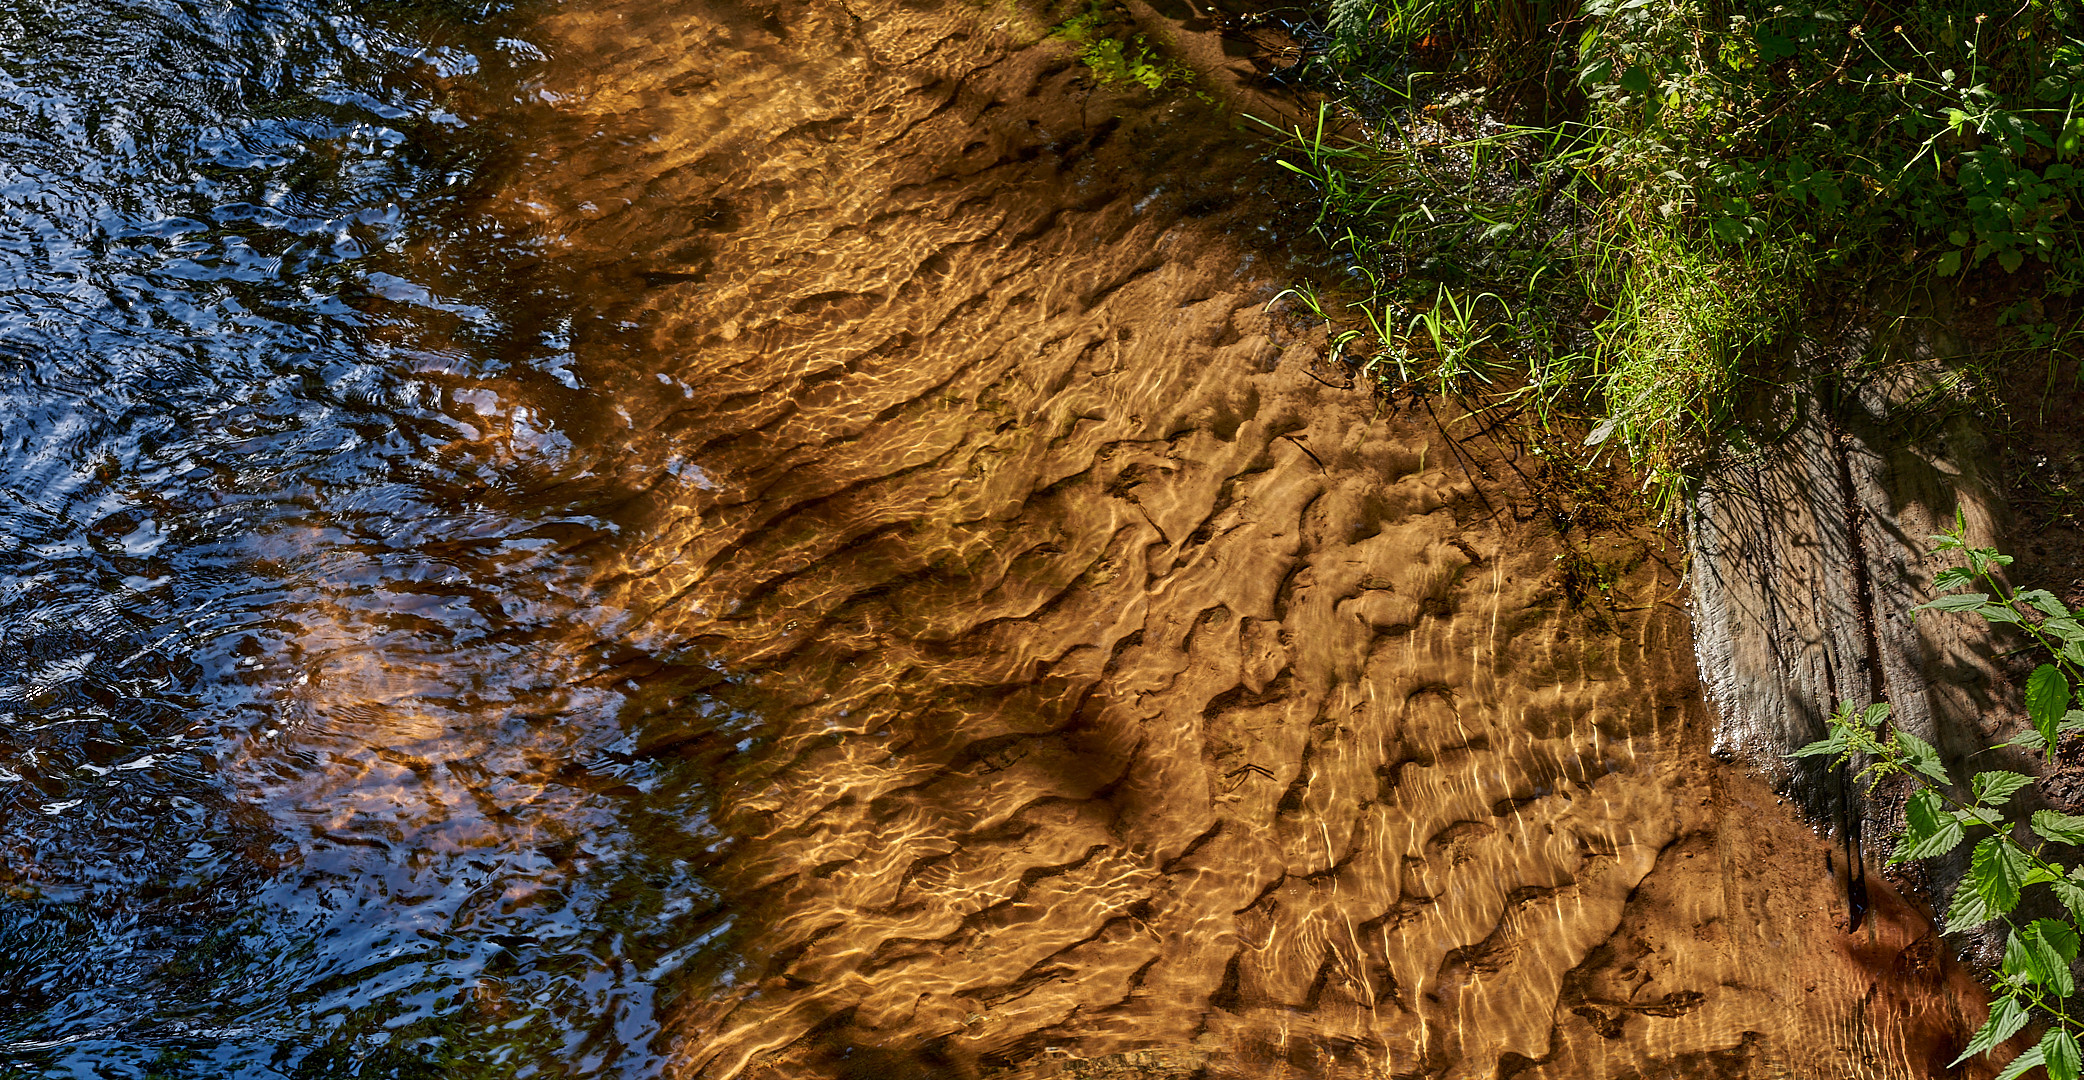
(289, 785)
(790, 539)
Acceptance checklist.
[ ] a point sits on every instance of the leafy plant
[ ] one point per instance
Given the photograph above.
(1116, 61)
(2034, 980)
(1706, 177)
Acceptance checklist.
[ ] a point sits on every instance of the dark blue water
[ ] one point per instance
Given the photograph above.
(307, 768)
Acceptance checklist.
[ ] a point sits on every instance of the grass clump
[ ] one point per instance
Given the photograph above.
(1664, 193)
(1673, 354)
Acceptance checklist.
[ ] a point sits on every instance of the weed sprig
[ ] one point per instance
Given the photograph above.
(2034, 980)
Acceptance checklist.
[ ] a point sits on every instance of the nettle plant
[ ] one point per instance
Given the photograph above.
(2034, 981)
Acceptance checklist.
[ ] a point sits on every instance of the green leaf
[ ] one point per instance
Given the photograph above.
(2071, 892)
(2061, 828)
(1636, 80)
(1930, 830)
(2000, 613)
(1833, 745)
(2059, 1049)
(1875, 715)
(2072, 138)
(2060, 936)
(2026, 740)
(1998, 870)
(1949, 263)
(1974, 816)
(2045, 965)
(1994, 788)
(2045, 601)
(1953, 577)
(1968, 601)
(1919, 755)
(1969, 910)
(2007, 1016)
(2022, 1063)
(2047, 699)
(2018, 960)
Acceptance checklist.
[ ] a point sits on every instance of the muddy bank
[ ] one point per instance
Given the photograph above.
(1093, 681)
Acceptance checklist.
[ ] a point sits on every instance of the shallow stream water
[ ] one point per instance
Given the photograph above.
(787, 540)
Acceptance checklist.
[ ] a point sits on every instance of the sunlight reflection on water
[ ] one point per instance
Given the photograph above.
(297, 780)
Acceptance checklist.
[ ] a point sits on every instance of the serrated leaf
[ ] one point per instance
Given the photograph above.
(1999, 613)
(1930, 830)
(1876, 714)
(1998, 871)
(2006, 1018)
(2046, 966)
(2059, 1053)
(2068, 629)
(1969, 910)
(2045, 601)
(1833, 745)
(2071, 893)
(1994, 788)
(2018, 959)
(2061, 828)
(1953, 577)
(2023, 1062)
(1974, 816)
(1919, 755)
(2059, 935)
(1967, 601)
(2047, 699)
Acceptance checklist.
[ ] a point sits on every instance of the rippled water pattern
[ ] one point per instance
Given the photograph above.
(796, 539)
(257, 529)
